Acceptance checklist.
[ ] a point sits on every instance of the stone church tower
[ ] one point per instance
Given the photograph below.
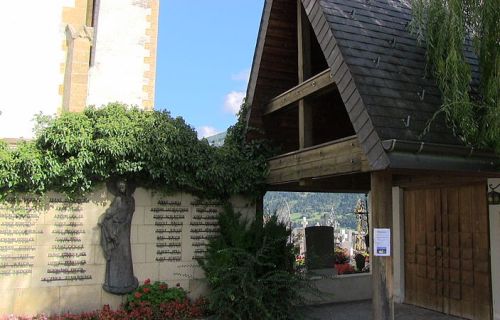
(62, 55)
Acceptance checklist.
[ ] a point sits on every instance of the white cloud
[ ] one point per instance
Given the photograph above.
(233, 100)
(206, 131)
(243, 75)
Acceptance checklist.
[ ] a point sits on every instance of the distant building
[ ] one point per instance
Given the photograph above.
(63, 55)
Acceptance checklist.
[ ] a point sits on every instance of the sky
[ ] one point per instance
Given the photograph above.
(205, 52)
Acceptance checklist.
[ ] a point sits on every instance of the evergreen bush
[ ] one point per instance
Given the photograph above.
(249, 268)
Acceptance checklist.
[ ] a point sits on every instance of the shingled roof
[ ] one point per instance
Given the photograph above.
(379, 70)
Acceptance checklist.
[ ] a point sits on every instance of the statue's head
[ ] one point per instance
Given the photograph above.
(121, 185)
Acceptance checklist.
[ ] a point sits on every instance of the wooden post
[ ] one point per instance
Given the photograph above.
(305, 125)
(259, 209)
(304, 67)
(382, 267)
(304, 43)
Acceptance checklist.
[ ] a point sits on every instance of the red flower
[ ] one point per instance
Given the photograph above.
(146, 290)
(163, 286)
(147, 281)
(138, 295)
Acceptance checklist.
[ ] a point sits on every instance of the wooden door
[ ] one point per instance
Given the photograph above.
(447, 263)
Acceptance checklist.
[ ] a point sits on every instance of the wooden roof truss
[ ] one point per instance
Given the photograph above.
(374, 68)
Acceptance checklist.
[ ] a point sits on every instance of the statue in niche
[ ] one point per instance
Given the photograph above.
(115, 240)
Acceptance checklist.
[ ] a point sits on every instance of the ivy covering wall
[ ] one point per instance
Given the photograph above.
(75, 151)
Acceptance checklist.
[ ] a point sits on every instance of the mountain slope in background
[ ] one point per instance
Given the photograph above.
(316, 207)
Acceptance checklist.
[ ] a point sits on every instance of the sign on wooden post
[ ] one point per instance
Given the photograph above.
(382, 242)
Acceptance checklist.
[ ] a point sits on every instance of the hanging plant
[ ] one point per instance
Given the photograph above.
(445, 27)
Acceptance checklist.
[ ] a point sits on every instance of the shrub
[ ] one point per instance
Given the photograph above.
(76, 151)
(154, 294)
(249, 268)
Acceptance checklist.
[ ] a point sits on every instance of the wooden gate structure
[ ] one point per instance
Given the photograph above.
(339, 87)
(446, 249)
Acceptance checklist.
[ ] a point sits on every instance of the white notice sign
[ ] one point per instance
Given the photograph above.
(382, 242)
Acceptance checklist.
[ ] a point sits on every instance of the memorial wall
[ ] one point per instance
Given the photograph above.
(51, 256)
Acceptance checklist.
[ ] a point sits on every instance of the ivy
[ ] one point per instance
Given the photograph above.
(445, 26)
(76, 151)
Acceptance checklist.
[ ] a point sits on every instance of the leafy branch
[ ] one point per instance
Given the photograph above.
(74, 152)
(446, 26)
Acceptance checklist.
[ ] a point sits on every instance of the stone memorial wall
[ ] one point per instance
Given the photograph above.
(51, 258)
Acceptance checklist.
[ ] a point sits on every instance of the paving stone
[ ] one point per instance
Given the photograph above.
(362, 311)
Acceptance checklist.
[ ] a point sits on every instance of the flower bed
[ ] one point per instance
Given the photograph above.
(149, 301)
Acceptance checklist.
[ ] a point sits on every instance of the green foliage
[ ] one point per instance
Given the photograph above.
(244, 161)
(249, 268)
(154, 294)
(445, 25)
(74, 152)
(7, 173)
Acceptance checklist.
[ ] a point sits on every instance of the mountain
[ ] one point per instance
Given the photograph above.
(218, 139)
(316, 207)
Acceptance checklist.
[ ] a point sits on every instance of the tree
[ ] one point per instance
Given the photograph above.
(446, 26)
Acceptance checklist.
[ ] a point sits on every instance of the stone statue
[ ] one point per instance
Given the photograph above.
(115, 240)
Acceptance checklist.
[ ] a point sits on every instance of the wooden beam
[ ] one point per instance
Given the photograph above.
(329, 159)
(348, 183)
(305, 125)
(433, 179)
(382, 267)
(304, 68)
(308, 87)
(304, 43)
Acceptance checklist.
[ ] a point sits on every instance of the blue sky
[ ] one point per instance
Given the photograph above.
(205, 52)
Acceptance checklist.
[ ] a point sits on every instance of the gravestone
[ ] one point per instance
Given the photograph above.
(319, 247)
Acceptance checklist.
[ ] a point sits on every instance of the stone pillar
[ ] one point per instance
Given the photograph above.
(77, 68)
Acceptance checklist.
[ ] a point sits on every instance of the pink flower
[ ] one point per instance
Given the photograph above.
(138, 295)
(147, 281)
